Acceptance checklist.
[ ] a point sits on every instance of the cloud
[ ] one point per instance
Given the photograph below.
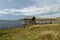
(49, 16)
(46, 2)
(9, 0)
(33, 10)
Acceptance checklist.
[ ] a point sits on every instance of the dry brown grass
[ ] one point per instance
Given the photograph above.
(49, 34)
(45, 25)
(38, 32)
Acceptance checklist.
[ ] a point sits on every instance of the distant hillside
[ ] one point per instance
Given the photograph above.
(37, 19)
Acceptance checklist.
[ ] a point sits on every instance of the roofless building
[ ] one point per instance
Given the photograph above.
(30, 20)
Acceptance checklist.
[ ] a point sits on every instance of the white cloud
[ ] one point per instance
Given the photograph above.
(32, 10)
(3, 12)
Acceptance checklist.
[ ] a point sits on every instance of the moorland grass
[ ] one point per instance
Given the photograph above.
(34, 32)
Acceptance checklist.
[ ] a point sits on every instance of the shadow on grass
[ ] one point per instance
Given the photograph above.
(1, 34)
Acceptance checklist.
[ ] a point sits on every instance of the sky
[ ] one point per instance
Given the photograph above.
(17, 9)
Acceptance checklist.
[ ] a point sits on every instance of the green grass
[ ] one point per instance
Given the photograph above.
(49, 32)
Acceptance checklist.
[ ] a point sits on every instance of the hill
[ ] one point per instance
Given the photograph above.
(34, 32)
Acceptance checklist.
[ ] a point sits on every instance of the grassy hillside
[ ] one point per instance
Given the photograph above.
(35, 32)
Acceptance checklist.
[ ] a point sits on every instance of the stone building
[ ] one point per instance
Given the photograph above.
(30, 20)
(43, 21)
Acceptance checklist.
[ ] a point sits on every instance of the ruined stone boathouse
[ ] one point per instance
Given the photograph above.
(33, 20)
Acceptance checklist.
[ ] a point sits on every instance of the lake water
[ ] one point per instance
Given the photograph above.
(10, 24)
